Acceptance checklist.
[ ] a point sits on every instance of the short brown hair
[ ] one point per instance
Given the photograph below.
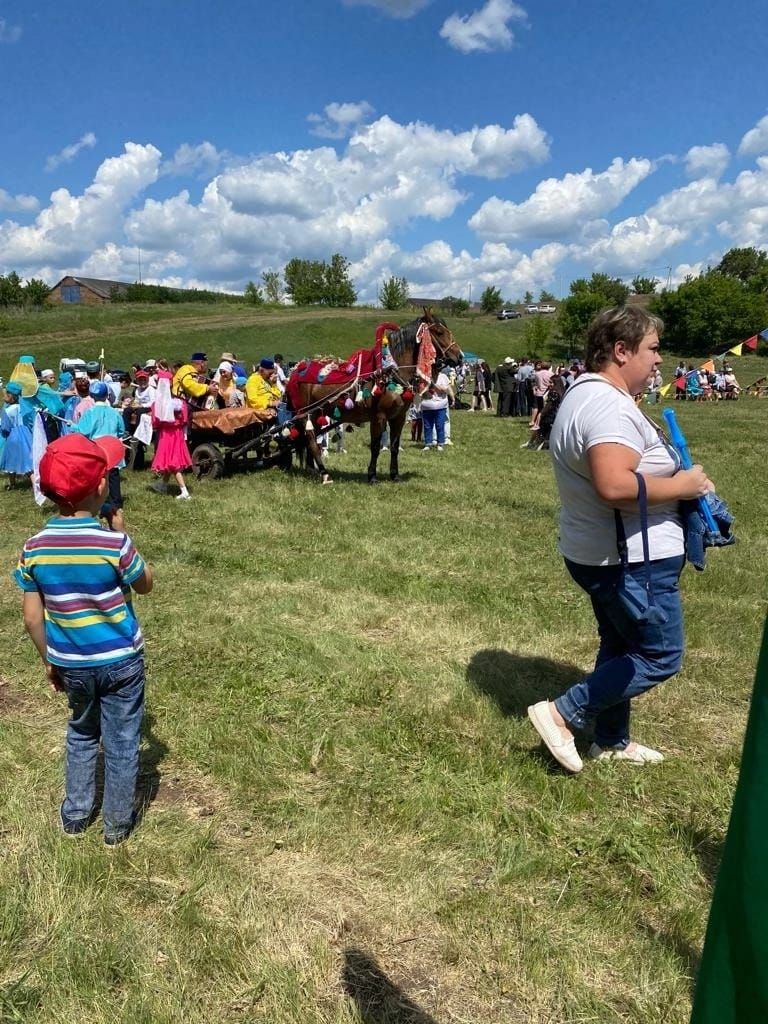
(629, 324)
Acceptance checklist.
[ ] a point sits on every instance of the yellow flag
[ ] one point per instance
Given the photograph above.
(663, 391)
(736, 350)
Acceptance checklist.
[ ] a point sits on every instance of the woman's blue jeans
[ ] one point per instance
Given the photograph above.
(107, 703)
(631, 658)
(434, 423)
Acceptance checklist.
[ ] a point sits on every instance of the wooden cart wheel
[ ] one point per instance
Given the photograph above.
(207, 462)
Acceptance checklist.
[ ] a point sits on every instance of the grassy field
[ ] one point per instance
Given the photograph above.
(348, 818)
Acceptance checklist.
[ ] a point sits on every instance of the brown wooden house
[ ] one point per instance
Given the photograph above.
(85, 291)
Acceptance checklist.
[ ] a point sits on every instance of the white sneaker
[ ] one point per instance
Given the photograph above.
(439, 447)
(426, 448)
(563, 751)
(640, 755)
(184, 496)
(448, 442)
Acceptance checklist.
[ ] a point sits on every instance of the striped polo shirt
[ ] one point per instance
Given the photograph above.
(83, 574)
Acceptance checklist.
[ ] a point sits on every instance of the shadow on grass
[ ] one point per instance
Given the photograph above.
(674, 941)
(153, 752)
(348, 476)
(378, 999)
(513, 681)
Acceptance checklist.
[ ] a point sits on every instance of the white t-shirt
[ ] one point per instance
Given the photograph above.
(439, 399)
(595, 412)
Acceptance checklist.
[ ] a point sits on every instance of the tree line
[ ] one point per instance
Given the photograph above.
(712, 312)
(14, 293)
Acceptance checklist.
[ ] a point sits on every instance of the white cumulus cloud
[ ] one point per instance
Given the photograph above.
(66, 155)
(631, 244)
(755, 141)
(193, 161)
(18, 204)
(560, 206)
(485, 29)
(707, 161)
(68, 230)
(9, 33)
(395, 8)
(339, 120)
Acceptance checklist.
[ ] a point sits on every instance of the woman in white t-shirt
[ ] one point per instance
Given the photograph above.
(434, 411)
(601, 443)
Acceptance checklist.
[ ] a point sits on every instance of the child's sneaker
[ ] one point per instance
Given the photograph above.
(73, 826)
(115, 838)
(184, 496)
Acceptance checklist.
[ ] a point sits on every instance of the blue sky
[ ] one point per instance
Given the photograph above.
(458, 143)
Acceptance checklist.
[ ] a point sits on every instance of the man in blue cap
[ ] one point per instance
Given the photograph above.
(190, 381)
(261, 390)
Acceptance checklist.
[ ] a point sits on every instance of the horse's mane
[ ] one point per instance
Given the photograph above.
(406, 335)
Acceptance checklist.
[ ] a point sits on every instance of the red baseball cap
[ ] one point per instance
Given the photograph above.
(73, 466)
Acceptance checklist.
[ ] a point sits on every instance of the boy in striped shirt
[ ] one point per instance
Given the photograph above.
(77, 578)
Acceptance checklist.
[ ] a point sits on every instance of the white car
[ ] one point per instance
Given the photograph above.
(547, 309)
(532, 309)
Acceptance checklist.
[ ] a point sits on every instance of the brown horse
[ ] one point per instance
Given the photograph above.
(386, 407)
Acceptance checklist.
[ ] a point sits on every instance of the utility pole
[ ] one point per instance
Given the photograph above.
(470, 293)
(669, 278)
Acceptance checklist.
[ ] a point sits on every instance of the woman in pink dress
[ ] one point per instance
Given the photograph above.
(169, 419)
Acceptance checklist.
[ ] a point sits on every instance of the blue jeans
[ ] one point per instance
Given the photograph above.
(631, 658)
(107, 703)
(434, 422)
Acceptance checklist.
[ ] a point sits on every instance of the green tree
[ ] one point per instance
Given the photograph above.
(744, 264)
(547, 298)
(710, 313)
(490, 300)
(393, 293)
(36, 292)
(271, 282)
(612, 288)
(587, 298)
(339, 290)
(528, 298)
(305, 281)
(455, 306)
(537, 333)
(253, 295)
(11, 290)
(643, 285)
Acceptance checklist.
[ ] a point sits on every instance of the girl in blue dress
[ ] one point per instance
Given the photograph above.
(16, 455)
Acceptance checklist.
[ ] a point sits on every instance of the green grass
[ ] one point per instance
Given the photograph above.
(351, 820)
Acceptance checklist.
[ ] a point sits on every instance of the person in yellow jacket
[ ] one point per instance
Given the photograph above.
(189, 381)
(261, 390)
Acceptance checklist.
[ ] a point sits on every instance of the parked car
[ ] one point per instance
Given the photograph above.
(533, 308)
(71, 365)
(508, 314)
(547, 308)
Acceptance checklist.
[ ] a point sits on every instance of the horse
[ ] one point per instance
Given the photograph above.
(382, 405)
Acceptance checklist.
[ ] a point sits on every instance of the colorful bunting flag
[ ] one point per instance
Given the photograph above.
(663, 391)
(751, 342)
(736, 350)
(733, 983)
(764, 334)
(709, 366)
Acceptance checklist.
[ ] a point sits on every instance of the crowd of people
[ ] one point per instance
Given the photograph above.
(699, 384)
(151, 402)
